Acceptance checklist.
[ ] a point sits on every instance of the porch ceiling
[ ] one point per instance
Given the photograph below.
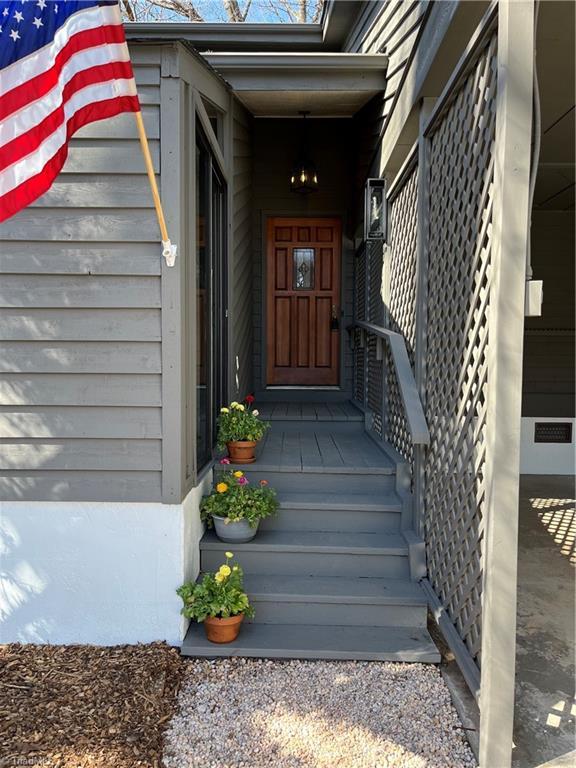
(280, 85)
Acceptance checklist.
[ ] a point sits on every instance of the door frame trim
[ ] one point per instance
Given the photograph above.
(262, 373)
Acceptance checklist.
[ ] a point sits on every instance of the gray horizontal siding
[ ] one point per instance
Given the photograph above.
(52, 485)
(57, 258)
(80, 321)
(81, 389)
(24, 324)
(79, 356)
(81, 454)
(82, 190)
(390, 27)
(72, 421)
(134, 224)
(88, 291)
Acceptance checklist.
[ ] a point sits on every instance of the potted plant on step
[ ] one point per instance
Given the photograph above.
(236, 506)
(218, 601)
(239, 429)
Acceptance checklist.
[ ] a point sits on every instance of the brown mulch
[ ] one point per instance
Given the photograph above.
(86, 706)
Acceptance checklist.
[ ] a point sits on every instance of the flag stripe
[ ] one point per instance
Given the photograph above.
(37, 111)
(44, 58)
(46, 81)
(27, 167)
(25, 143)
(30, 190)
(70, 67)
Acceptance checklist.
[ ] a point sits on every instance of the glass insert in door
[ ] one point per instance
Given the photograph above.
(303, 263)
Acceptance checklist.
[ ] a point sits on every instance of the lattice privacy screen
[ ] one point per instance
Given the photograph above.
(402, 303)
(359, 381)
(369, 305)
(460, 187)
(454, 300)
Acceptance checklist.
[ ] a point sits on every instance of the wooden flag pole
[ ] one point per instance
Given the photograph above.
(168, 250)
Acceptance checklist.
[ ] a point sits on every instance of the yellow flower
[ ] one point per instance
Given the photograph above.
(225, 570)
(229, 554)
(234, 404)
(235, 568)
(238, 473)
(221, 487)
(224, 410)
(219, 578)
(240, 407)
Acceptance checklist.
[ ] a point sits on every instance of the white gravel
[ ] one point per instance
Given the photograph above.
(242, 713)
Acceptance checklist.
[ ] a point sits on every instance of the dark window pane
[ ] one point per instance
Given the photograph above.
(202, 308)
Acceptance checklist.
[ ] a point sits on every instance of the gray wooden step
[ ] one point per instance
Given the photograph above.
(288, 641)
(320, 426)
(307, 450)
(357, 513)
(336, 601)
(338, 481)
(314, 553)
(303, 396)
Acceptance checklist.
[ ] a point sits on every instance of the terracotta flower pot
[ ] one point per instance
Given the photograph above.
(241, 451)
(223, 630)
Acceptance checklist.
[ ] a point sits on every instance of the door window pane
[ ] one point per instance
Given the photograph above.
(303, 259)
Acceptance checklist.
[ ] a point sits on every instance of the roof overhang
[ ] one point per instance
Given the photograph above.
(281, 84)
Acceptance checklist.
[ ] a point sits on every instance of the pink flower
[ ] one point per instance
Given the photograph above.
(263, 483)
(243, 480)
(225, 460)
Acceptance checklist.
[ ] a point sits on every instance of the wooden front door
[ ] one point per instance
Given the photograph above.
(303, 301)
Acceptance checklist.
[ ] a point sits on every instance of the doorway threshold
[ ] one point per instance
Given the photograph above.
(302, 395)
(302, 388)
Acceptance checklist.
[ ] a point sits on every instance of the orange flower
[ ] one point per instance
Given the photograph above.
(263, 482)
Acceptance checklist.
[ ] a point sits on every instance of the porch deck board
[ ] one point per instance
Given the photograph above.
(307, 450)
(310, 450)
(332, 455)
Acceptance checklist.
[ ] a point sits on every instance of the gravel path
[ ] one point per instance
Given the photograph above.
(239, 713)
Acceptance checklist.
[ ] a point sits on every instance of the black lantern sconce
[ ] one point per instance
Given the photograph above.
(304, 177)
(375, 210)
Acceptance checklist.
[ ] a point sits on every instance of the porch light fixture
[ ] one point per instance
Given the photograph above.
(304, 177)
(375, 210)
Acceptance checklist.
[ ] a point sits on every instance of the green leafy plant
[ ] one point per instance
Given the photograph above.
(234, 498)
(239, 421)
(218, 595)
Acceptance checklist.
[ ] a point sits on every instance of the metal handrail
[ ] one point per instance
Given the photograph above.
(415, 417)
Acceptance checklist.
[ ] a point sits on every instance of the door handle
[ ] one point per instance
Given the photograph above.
(334, 322)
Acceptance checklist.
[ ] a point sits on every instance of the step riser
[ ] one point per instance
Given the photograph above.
(338, 614)
(295, 426)
(312, 564)
(353, 521)
(301, 395)
(317, 482)
(277, 641)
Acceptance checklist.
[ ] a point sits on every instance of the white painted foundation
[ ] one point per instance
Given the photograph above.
(546, 458)
(101, 573)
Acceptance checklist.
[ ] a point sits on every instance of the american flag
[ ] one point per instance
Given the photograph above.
(62, 65)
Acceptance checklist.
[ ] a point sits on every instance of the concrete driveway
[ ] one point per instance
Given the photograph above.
(545, 708)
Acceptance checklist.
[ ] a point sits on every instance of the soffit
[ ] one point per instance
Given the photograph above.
(281, 85)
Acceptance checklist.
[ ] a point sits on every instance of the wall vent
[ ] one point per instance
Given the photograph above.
(553, 432)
